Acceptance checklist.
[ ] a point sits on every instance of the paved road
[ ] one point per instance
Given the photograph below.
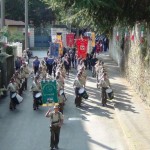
(91, 128)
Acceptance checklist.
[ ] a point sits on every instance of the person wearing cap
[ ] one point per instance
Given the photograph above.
(56, 119)
(13, 88)
(77, 85)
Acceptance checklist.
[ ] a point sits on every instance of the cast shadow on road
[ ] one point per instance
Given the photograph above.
(98, 111)
(80, 139)
(123, 99)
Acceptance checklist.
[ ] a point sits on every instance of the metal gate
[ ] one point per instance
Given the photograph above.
(42, 37)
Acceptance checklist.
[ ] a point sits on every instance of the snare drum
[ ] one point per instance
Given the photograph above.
(85, 95)
(14, 98)
(61, 92)
(38, 96)
(110, 93)
(81, 91)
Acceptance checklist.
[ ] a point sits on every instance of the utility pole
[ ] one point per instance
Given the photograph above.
(2, 13)
(26, 24)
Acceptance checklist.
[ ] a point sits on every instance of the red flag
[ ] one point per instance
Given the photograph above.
(70, 39)
(82, 47)
(132, 36)
(142, 37)
(126, 36)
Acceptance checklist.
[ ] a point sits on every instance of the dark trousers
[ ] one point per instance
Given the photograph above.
(78, 98)
(104, 95)
(55, 132)
(25, 83)
(35, 102)
(36, 68)
(50, 68)
(54, 73)
(12, 104)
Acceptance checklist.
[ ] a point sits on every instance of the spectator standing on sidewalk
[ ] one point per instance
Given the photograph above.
(56, 119)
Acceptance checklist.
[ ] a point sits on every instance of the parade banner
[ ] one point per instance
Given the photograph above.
(49, 91)
(82, 47)
(70, 39)
(93, 39)
(58, 38)
(54, 49)
(60, 50)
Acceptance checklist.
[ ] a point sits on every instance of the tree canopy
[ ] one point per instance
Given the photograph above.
(39, 12)
(102, 14)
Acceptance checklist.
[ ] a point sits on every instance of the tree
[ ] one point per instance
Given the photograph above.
(104, 14)
(39, 12)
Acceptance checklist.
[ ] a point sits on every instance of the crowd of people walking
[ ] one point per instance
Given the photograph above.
(50, 68)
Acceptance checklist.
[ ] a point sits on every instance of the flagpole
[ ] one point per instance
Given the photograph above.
(26, 24)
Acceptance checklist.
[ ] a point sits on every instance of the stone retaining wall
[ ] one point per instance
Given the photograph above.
(133, 58)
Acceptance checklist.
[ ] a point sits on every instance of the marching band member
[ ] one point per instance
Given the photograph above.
(83, 76)
(18, 81)
(77, 85)
(43, 65)
(35, 88)
(43, 73)
(105, 83)
(22, 75)
(13, 88)
(26, 73)
(67, 64)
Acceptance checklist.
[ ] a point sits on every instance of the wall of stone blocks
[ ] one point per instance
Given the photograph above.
(133, 59)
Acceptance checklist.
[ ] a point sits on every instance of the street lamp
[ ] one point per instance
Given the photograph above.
(2, 13)
(26, 24)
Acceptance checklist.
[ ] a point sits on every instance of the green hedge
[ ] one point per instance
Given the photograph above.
(9, 49)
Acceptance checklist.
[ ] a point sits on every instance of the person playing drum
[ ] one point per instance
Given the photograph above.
(104, 84)
(26, 74)
(83, 76)
(13, 88)
(35, 88)
(77, 85)
(17, 77)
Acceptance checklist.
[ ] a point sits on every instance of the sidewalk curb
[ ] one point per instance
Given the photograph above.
(125, 130)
